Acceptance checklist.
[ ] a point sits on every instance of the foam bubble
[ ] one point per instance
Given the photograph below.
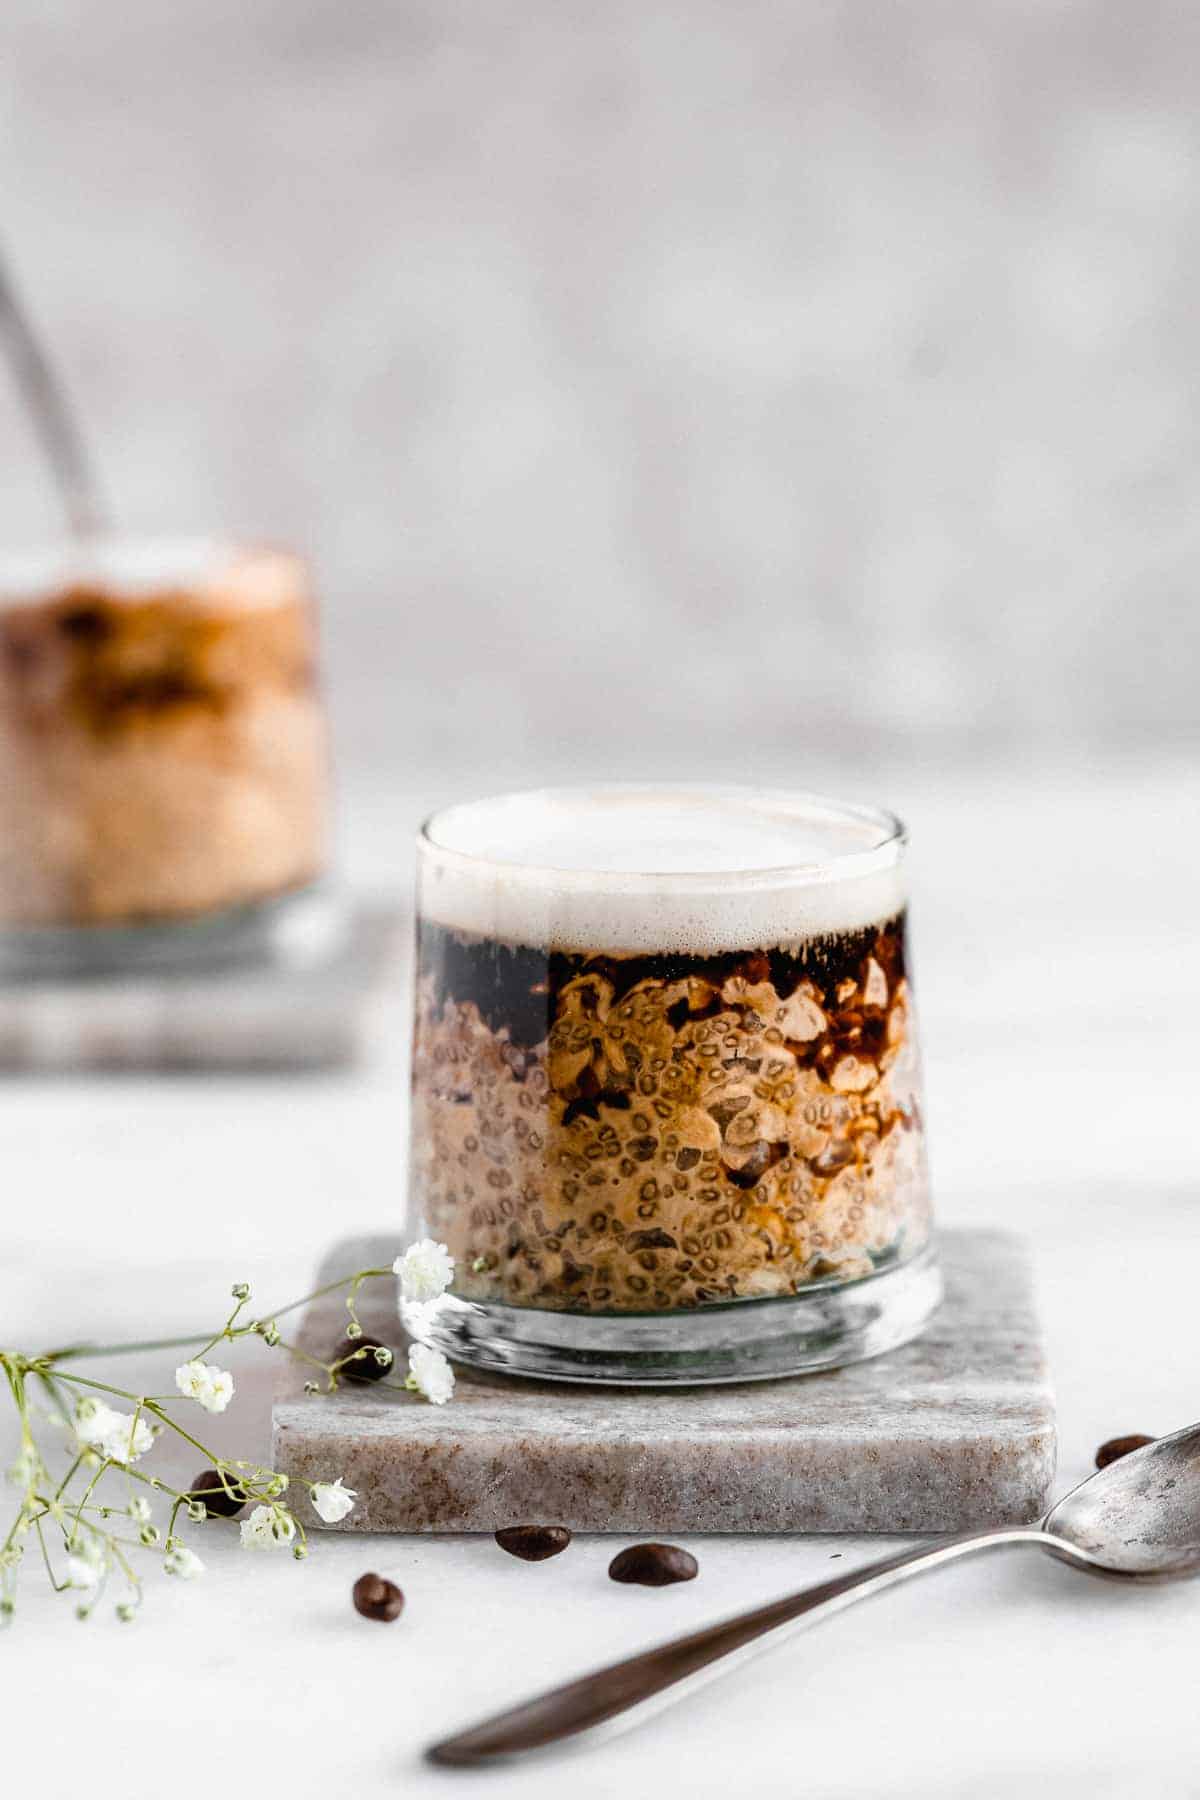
(132, 568)
(640, 869)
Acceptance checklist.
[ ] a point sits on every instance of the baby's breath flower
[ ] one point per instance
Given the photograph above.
(426, 1270)
(183, 1562)
(430, 1374)
(126, 1612)
(139, 1510)
(149, 1535)
(331, 1501)
(22, 1472)
(240, 1290)
(268, 1528)
(210, 1387)
(82, 1572)
(113, 1434)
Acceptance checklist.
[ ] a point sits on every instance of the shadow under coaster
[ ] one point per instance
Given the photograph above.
(953, 1431)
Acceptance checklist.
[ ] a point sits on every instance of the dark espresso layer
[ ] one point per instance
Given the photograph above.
(517, 988)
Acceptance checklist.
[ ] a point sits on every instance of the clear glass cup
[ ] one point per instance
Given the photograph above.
(666, 1086)
(163, 757)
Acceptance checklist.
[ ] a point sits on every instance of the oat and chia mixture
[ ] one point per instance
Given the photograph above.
(644, 1132)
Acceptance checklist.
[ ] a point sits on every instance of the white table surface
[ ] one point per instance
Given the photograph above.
(1059, 974)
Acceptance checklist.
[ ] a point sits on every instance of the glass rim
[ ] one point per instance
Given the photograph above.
(131, 562)
(838, 867)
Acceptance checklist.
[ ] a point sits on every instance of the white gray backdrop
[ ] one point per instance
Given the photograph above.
(724, 384)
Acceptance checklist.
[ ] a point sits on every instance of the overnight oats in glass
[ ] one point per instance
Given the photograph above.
(666, 1088)
(163, 753)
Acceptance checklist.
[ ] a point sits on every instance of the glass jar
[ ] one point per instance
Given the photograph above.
(666, 1087)
(163, 755)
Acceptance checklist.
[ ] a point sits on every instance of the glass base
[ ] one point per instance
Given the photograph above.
(739, 1340)
(291, 930)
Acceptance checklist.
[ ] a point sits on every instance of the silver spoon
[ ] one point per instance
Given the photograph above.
(1138, 1520)
(49, 407)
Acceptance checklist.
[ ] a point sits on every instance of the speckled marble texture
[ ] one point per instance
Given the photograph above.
(312, 1006)
(953, 1431)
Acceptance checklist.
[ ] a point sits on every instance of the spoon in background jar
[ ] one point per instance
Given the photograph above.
(1138, 1520)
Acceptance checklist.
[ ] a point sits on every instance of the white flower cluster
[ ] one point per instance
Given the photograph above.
(430, 1374)
(268, 1528)
(85, 1562)
(183, 1562)
(331, 1501)
(426, 1270)
(210, 1387)
(23, 1472)
(113, 1434)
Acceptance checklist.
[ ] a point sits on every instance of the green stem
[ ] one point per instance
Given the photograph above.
(179, 1343)
(103, 1387)
(331, 1287)
(168, 1420)
(204, 1339)
(58, 1586)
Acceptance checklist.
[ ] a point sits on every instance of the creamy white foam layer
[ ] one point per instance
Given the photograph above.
(641, 869)
(135, 567)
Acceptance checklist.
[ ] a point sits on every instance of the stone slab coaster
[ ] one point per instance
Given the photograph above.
(954, 1431)
(311, 1012)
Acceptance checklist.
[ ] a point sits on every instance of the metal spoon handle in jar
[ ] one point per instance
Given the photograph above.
(630, 1690)
(50, 409)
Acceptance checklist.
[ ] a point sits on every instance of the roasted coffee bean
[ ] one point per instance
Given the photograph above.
(533, 1543)
(365, 1367)
(653, 1565)
(377, 1598)
(219, 1494)
(1115, 1448)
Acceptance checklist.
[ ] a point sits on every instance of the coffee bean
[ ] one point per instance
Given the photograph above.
(377, 1598)
(363, 1368)
(653, 1565)
(1115, 1448)
(219, 1494)
(533, 1543)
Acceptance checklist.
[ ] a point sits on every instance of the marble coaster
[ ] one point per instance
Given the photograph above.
(312, 1010)
(954, 1431)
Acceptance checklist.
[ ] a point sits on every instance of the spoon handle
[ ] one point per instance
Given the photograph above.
(671, 1670)
(50, 409)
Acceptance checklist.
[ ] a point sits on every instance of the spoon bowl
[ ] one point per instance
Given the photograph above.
(1139, 1518)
